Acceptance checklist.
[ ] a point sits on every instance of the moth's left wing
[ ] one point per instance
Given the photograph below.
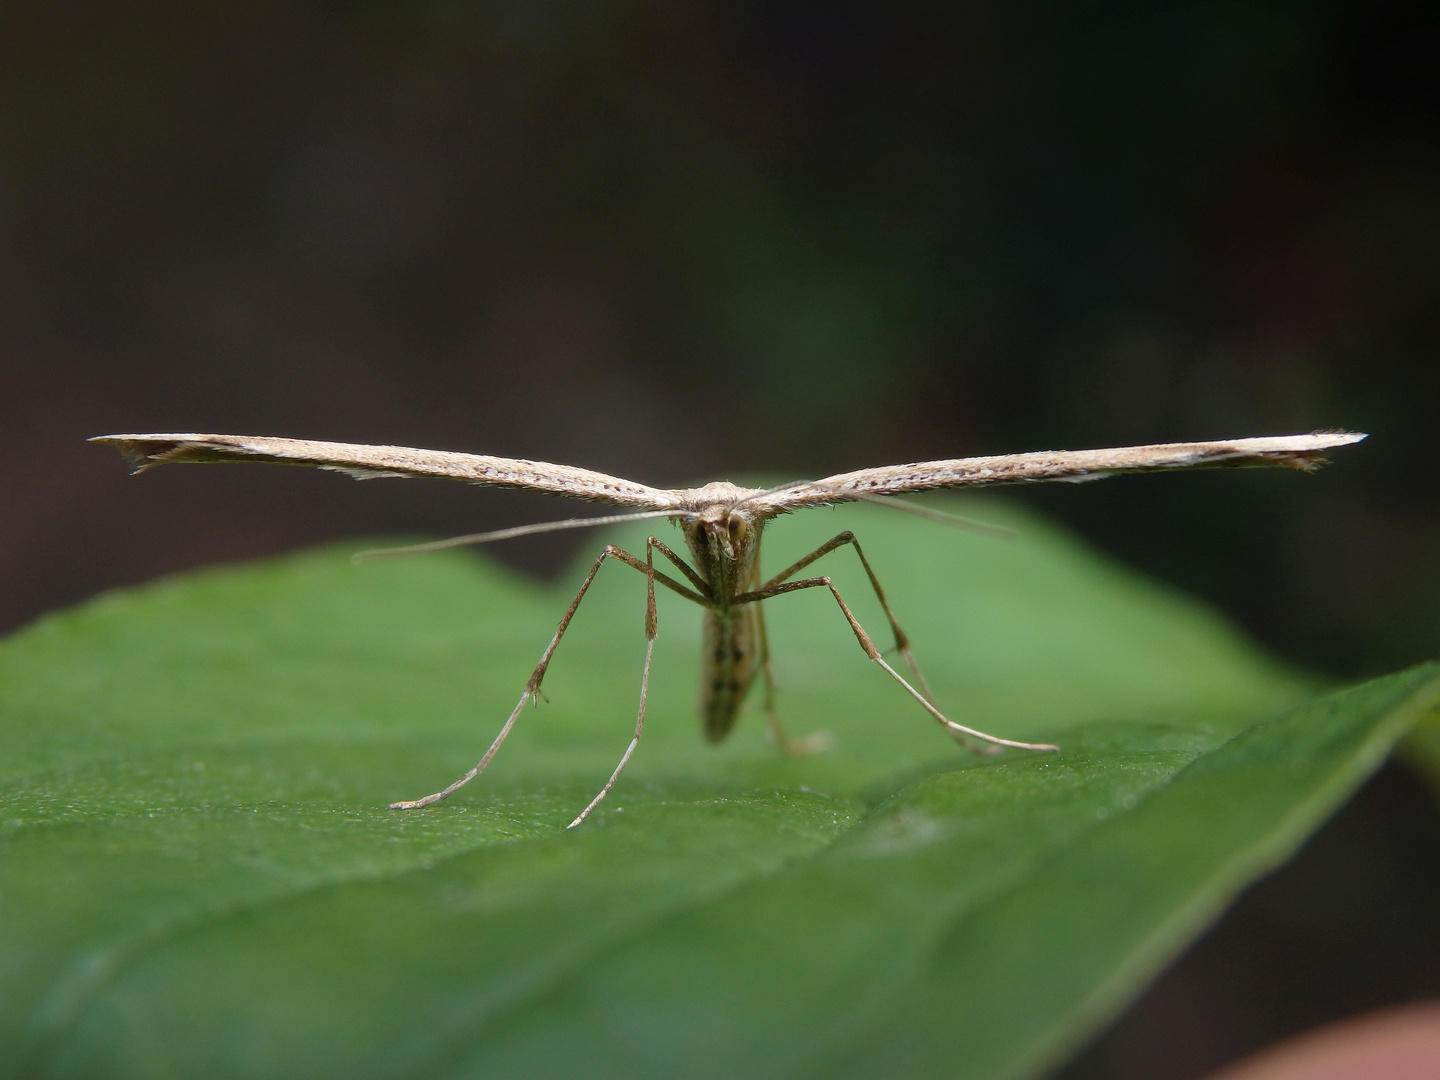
(1294, 451)
(362, 462)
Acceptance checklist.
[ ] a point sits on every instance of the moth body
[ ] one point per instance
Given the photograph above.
(724, 542)
(727, 668)
(722, 523)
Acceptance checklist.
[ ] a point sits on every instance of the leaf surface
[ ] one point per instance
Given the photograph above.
(199, 877)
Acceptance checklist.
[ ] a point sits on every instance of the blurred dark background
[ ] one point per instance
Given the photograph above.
(685, 240)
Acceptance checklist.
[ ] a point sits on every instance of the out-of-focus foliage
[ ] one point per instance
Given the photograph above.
(675, 240)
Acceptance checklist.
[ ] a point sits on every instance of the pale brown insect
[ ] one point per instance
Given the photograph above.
(722, 524)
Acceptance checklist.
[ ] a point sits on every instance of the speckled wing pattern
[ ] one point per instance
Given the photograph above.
(1295, 451)
(364, 462)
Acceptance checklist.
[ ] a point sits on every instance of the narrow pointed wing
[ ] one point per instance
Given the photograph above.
(1294, 451)
(364, 462)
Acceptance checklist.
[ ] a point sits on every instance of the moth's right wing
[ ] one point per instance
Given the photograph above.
(364, 462)
(1295, 451)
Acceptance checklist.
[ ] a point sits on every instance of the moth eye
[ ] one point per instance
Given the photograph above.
(737, 528)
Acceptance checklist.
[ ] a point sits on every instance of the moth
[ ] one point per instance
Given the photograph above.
(722, 525)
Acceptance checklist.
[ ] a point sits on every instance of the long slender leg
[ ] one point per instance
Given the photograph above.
(532, 687)
(958, 731)
(651, 628)
(695, 579)
(902, 640)
(813, 743)
(671, 583)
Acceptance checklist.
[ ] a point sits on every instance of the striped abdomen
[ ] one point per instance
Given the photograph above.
(727, 668)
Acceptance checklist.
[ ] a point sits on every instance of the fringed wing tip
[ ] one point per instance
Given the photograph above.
(1310, 458)
(141, 452)
(146, 451)
(1303, 452)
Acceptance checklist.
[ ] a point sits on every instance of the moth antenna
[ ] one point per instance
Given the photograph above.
(509, 534)
(997, 532)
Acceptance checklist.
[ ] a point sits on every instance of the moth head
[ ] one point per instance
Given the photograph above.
(731, 533)
(725, 529)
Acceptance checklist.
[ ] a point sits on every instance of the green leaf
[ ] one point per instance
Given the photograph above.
(199, 877)
(1422, 750)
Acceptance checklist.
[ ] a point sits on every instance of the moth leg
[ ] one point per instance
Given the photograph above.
(814, 743)
(902, 640)
(532, 687)
(651, 628)
(958, 731)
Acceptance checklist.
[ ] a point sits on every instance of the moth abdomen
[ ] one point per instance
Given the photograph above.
(727, 668)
